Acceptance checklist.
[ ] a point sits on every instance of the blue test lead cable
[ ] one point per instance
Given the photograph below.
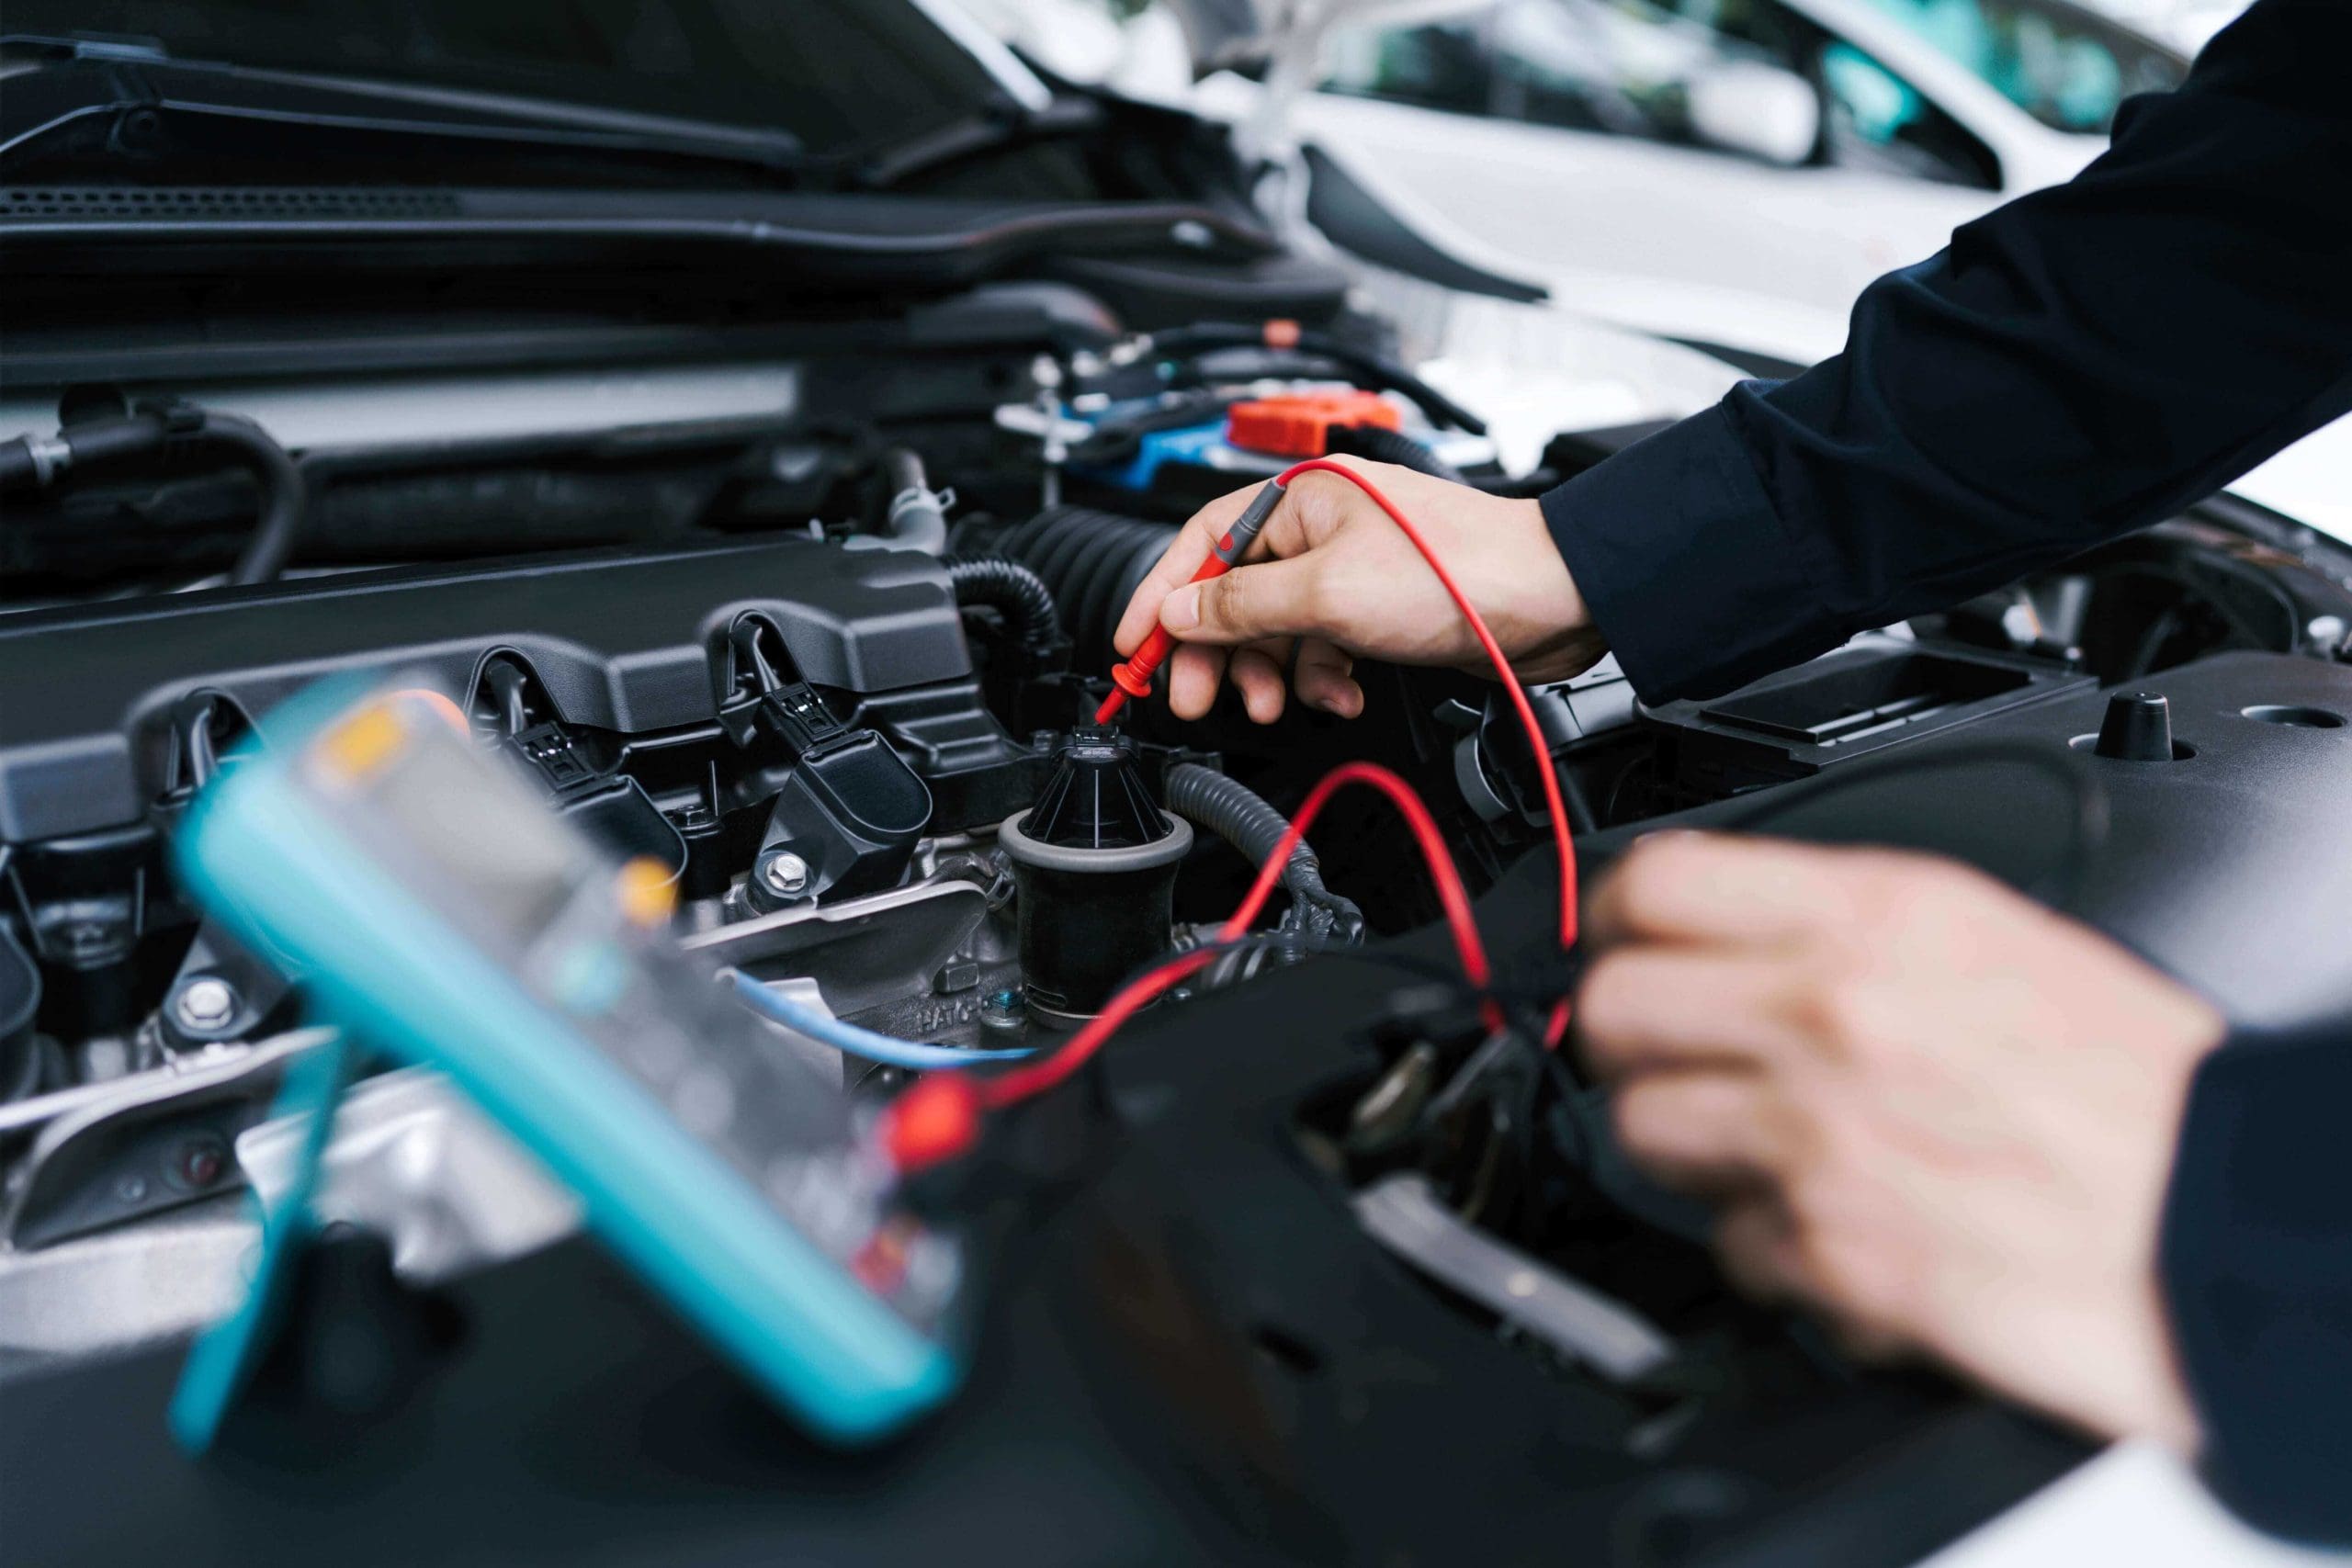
(223, 1357)
(863, 1043)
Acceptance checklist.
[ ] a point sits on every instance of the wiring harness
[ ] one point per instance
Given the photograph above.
(939, 1117)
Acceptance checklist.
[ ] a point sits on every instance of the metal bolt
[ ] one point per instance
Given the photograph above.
(1001, 1009)
(201, 1163)
(205, 1003)
(787, 874)
(138, 130)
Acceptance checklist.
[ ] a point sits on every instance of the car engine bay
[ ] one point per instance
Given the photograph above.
(1316, 1264)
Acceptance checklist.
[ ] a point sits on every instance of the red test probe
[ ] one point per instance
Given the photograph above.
(1133, 679)
(939, 1117)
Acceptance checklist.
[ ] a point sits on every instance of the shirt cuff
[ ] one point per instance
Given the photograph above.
(2256, 1265)
(1685, 566)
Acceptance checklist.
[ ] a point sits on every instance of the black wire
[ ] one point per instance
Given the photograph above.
(155, 429)
(1384, 446)
(1525, 1005)
(2160, 631)
(1617, 786)
(1426, 968)
(1191, 342)
(279, 482)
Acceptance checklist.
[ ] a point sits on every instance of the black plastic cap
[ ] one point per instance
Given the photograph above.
(1096, 799)
(2137, 728)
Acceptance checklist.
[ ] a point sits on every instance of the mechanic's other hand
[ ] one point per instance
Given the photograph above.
(1930, 1108)
(1344, 583)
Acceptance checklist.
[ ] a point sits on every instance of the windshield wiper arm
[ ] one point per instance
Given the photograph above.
(1002, 126)
(87, 94)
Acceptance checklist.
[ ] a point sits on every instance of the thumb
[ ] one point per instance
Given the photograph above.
(1276, 598)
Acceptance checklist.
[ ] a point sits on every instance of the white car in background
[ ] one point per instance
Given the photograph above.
(1731, 174)
(1725, 173)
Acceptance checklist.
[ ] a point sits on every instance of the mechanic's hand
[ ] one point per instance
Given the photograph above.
(1345, 583)
(1930, 1108)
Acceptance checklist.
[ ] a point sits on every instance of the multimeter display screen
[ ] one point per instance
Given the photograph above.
(518, 866)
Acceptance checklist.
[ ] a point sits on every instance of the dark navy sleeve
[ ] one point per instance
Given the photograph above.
(2080, 363)
(2257, 1275)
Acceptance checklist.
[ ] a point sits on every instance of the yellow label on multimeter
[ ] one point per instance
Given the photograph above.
(358, 745)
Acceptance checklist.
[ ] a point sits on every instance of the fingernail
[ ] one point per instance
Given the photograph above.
(1181, 611)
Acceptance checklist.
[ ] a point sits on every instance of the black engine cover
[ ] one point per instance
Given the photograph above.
(2230, 866)
(625, 642)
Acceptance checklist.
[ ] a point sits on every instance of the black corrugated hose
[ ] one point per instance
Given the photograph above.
(37, 462)
(1243, 818)
(1012, 589)
(1091, 563)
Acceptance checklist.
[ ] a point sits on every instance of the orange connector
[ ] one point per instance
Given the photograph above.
(1299, 425)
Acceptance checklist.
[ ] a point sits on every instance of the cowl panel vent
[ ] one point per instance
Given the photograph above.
(229, 203)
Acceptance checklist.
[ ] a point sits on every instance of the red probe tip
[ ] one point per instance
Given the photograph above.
(1132, 677)
(935, 1121)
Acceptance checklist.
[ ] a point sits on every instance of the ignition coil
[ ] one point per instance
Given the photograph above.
(1094, 863)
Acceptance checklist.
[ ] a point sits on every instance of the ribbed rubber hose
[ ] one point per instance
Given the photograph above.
(1383, 445)
(1244, 819)
(1012, 589)
(1091, 562)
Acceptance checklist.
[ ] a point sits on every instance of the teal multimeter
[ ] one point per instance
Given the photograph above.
(443, 913)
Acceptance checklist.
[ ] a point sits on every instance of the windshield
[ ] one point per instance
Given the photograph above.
(836, 73)
(2065, 67)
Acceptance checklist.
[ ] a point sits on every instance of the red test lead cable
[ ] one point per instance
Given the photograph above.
(1133, 679)
(1023, 1082)
(1563, 842)
(939, 1117)
(1037, 1076)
